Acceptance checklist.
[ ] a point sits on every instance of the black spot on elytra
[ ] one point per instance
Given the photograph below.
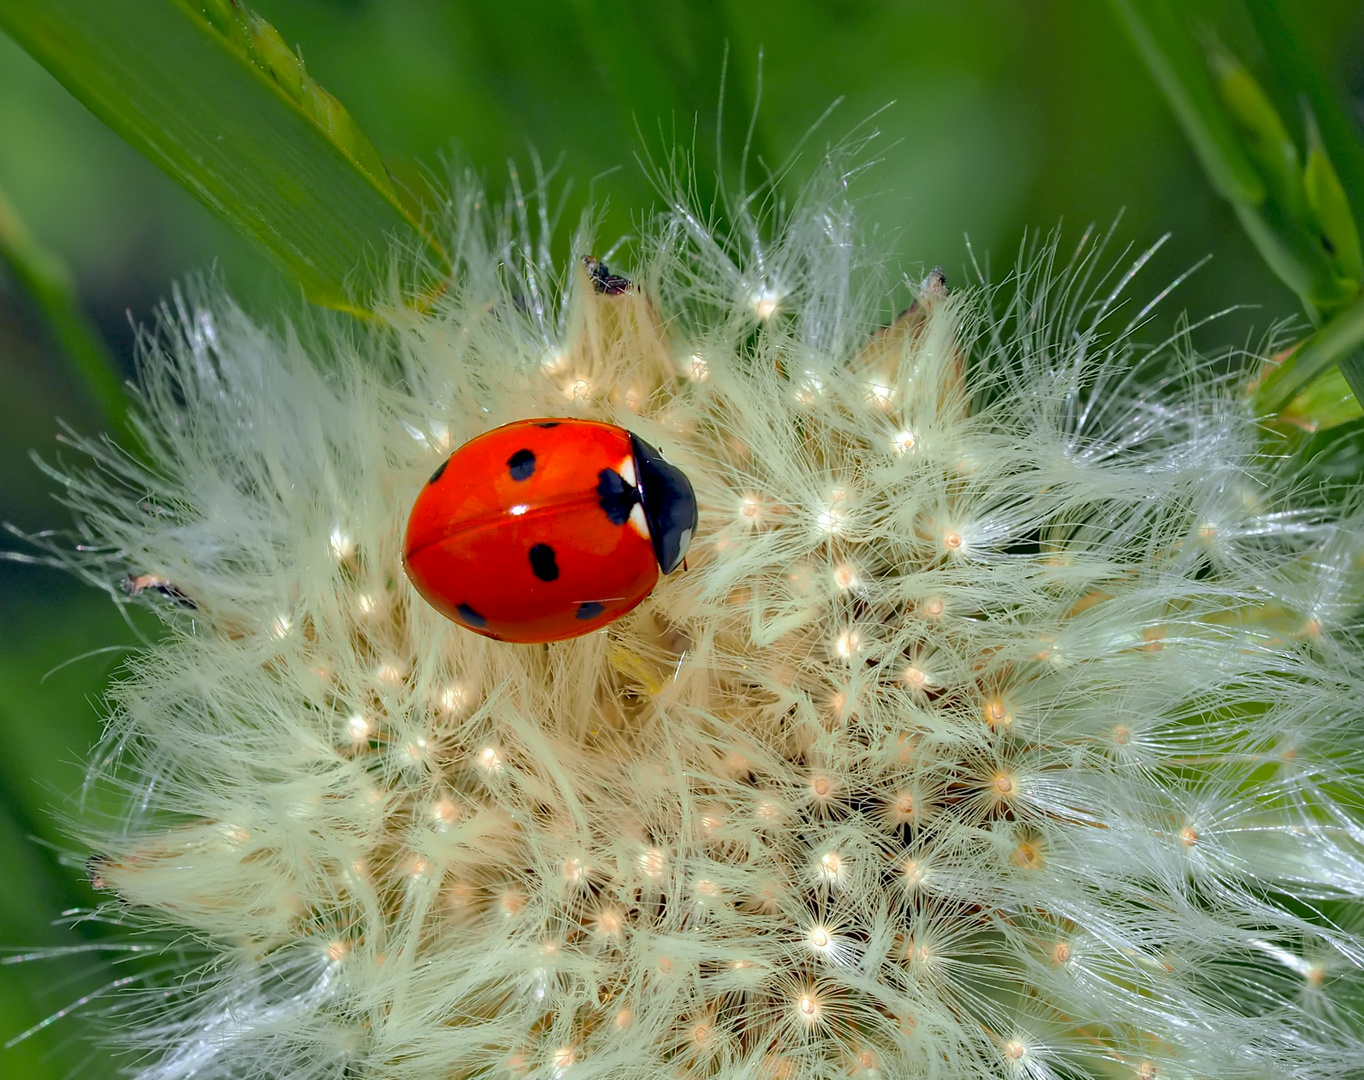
(603, 281)
(470, 616)
(542, 562)
(590, 610)
(617, 497)
(521, 464)
(439, 469)
(549, 423)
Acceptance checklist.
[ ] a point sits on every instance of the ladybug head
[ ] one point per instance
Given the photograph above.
(669, 504)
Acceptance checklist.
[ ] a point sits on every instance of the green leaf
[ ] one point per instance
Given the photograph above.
(1327, 402)
(1297, 258)
(214, 97)
(1331, 207)
(1291, 61)
(46, 278)
(1182, 77)
(1334, 343)
(1263, 134)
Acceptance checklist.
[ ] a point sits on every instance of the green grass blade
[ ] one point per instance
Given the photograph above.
(46, 278)
(1326, 403)
(1183, 79)
(1333, 344)
(1291, 61)
(212, 96)
(1330, 207)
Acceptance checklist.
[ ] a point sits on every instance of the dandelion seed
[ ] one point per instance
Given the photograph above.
(833, 517)
(445, 811)
(847, 642)
(998, 716)
(342, 545)
(920, 953)
(490, 761)
(653, 863)
(845, 576)
(391, 673)
(902, 808)
(769, 812)
(809, 1008)
(865, 1061)
(766, 303)
(416, 751)
(903, 442)
(809, 389)
(831, 868)
(1027, 855)
(916, 678)
(607, 926)
(453, 698)
(563, 1058)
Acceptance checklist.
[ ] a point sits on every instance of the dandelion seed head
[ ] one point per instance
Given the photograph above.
(1003, 722)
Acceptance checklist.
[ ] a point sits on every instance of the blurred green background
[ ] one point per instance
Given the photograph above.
(997, 117)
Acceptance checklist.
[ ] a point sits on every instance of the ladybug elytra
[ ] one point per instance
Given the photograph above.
(546, 529)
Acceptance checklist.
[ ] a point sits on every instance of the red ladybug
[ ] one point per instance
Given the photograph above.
(542, 530)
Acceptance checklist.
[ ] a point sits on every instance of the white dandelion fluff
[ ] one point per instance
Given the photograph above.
(1004, 723)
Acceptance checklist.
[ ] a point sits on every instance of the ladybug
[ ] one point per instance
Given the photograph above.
(546, 529)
